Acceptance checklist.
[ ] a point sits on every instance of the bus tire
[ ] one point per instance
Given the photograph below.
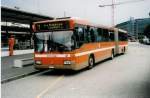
(91, 62)
(124, 50)
(112, 54)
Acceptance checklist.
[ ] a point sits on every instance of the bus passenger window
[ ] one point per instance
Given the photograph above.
(87, 34)
(75, 37)
(92, 35)
(111, 36)
(123, 36)
(79, 36)
(105, 35)
(99, 36)
(96, 34)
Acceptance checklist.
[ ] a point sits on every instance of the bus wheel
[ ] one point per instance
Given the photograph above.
(112, 55)
(124, 50)
(91, 62)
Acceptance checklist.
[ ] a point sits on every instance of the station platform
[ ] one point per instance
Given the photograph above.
(9, 73)
(5, 52)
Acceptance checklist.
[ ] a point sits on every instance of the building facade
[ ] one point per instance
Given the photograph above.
(135, 27)
(18, 24)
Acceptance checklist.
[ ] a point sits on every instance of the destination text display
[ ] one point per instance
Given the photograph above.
(49, 26)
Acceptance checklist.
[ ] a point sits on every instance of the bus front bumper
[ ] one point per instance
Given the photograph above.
(40, 67)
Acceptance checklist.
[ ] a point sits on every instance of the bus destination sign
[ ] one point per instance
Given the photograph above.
(49, 26)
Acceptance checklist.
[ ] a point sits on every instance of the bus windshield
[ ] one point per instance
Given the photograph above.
(53, 41)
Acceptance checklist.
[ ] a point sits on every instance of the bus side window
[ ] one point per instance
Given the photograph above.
(123, 36)
(111, 36)
(99, 36)
(75, 37)
(81, 34)
(92, 35)
(105, 35)
(78, 36)
(96, 34)
(87, 34)
(75, 33)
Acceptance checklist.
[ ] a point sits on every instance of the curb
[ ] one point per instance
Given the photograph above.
(19, 77)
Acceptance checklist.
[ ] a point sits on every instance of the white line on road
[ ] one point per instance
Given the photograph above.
(52, 84)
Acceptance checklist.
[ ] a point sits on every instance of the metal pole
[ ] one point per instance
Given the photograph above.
(31, 44)
(113, 7)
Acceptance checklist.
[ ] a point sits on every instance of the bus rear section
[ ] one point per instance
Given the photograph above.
(121, 41)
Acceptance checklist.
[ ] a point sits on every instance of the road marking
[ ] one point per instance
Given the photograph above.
(52, 84)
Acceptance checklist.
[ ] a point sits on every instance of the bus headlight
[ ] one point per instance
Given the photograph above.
(38, 62)
(67, 62)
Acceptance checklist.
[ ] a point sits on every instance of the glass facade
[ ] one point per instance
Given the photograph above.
(135, 27)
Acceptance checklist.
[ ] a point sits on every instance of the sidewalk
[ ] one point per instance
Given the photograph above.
(5, 52)
(9, 73)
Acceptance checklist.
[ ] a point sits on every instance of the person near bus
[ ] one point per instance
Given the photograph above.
(11, 43)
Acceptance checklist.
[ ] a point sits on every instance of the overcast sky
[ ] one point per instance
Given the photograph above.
(85, 9)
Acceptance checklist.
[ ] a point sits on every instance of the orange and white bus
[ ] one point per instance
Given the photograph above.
(75, 44)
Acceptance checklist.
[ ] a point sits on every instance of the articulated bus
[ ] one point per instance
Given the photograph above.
(75, 44)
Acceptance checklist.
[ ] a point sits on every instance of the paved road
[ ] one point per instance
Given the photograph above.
(8, 72)
(126, 76)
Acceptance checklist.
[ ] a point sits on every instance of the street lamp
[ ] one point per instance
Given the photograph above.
(113, 6)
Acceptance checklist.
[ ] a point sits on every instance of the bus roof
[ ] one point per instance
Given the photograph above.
(121, 30)
(79, 21)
